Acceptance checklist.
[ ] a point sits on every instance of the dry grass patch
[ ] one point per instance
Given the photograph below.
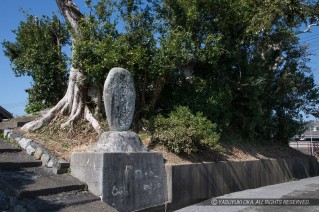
(63, 143)
(82, 137)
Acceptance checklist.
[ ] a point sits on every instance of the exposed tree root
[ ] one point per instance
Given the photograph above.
(72, 102)
(75, 98)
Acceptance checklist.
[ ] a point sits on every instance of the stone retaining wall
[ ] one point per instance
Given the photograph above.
(192, 183)
(188, 184)
(49, 160)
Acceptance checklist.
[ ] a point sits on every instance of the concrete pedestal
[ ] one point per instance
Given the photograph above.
(126, 181)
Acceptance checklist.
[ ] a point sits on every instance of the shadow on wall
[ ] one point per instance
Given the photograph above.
(192, 183)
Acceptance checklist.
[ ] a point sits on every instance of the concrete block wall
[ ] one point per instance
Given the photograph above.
(191, 183)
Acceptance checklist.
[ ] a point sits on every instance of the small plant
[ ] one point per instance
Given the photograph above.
(65, 145)
(85, 189)
(12, 141)
(184, 132)
(2, 136)
(68, 171)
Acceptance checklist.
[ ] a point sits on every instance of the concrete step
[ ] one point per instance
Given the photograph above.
(65, 200)
(7, 147)
(35, 188)
(17, 160)
(92, 206)
(16, 122)
(34, 182)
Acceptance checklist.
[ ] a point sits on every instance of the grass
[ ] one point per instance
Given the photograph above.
(82, 138)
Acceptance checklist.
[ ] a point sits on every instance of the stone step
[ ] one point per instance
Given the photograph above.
(17, 160)
(34, 182)
(92, 206)
(7, 147)
(64, 200)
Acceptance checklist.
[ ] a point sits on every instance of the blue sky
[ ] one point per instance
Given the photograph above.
(12, 89)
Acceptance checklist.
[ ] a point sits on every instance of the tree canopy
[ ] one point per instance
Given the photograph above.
(238, 63)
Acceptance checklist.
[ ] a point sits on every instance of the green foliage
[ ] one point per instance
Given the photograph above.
(239, 64)
(249, 70)
(246, 70)
(134, 44)
(2, 136)
(36, 52)
(184, 132)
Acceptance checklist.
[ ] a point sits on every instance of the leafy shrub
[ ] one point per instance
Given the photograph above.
(184, 132)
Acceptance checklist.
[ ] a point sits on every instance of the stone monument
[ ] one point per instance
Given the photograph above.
(119, 167)
(119, 101)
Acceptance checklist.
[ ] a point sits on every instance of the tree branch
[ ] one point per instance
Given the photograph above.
(308, 28)
(70, 12)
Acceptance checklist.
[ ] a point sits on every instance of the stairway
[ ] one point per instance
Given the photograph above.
(27, 186)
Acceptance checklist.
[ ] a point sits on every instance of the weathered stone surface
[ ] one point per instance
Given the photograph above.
(8, 147)
(18, 138)
(119, 99)
(62, 164)
(59, 167)
(115, 141)
(38, 153)
(15, 136)
(30, 150)
(125, 181)
(50, 163)
(24, 142)
(34, 182)
(6, 132)
(19, 208)
(4, 201)
(45, 159)
(63, 201)
(57, 170)
(16, 160)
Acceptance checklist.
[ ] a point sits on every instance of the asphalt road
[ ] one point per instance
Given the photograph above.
(295, 196)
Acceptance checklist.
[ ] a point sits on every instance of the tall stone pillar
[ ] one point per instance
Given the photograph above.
(119, 167)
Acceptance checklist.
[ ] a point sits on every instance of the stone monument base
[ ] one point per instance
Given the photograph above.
(125, 181)
(119, 141)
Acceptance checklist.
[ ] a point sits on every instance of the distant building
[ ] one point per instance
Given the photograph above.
(4, 114)
(311, 133)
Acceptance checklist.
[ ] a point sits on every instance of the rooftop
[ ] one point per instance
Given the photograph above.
(4, 114)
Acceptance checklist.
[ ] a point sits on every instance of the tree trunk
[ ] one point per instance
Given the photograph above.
(74, 101)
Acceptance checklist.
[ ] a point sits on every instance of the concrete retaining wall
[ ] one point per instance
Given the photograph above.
(192, 183)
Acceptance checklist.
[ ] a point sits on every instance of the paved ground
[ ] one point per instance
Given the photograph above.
(303, 194)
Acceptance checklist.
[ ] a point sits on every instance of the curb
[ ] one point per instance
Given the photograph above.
(49, 160)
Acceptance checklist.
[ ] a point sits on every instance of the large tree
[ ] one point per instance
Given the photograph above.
(74, 101)
(249, 70)
(238, 62)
